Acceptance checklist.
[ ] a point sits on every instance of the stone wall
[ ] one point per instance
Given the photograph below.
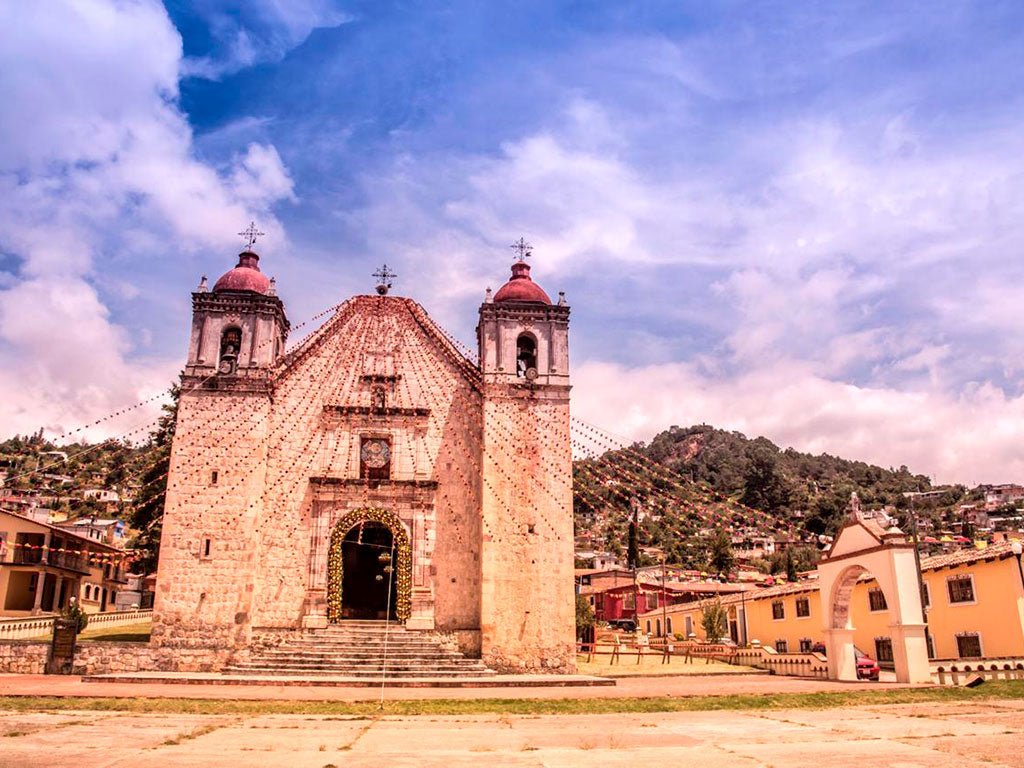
(93, 657)
(23, 657)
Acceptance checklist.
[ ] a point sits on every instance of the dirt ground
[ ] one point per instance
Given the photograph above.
(989, 733)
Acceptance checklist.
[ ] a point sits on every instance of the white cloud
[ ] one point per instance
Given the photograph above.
(969, 437)
(97, 172)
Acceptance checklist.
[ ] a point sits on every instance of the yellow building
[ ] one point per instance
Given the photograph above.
(974, 601)
(42, 567)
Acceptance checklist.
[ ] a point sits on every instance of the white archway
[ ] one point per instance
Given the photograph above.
(863, 546)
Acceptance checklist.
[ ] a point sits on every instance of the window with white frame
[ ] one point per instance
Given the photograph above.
(806, 645)
(803, 607)
(968, 645)
(960, 588)
(782, 646)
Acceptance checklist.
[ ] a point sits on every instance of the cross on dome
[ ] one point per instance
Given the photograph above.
(524, 248)
(250, 234)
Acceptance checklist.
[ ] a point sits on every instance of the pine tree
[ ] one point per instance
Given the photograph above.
(148, 512)
(721, 559)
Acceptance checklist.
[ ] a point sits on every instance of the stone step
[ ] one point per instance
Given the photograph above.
(361, 650)
(362, 674)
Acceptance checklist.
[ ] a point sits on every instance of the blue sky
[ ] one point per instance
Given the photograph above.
(792, 219)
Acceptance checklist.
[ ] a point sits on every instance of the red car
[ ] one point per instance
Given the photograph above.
(867, 668)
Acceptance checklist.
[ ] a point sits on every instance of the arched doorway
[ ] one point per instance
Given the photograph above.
(864, 547)
(369, 568)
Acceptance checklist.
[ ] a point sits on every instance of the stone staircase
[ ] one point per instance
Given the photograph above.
(356, 649)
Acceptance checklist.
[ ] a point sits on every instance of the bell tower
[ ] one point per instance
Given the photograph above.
(528, 608)
(240, 328)
(218, 463)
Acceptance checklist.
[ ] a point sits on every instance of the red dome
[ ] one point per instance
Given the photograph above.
(521, 287)
(245, 277)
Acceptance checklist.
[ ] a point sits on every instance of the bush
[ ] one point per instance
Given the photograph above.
(73, 612)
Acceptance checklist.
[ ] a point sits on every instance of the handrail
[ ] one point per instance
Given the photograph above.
(27, 627)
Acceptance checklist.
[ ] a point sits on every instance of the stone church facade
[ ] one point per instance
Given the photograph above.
(373, 471)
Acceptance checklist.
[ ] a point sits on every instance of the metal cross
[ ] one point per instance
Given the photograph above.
(384, 276)
(524, 248)
(250, 235)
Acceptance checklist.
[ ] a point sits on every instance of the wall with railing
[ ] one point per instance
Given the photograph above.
(40, 626)
(961, 671)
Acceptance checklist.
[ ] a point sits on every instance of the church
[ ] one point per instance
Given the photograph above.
(373, 471)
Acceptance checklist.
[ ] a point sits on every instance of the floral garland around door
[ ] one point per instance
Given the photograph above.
(403, 552)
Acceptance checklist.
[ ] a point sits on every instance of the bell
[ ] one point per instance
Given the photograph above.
(379, 577)
(387, 569)
(384, 557)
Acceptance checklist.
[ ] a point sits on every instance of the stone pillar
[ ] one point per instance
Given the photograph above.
(40, 585)
(842, 658)
(910, 653)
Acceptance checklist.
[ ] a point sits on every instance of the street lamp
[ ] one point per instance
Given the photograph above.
(1017, 548)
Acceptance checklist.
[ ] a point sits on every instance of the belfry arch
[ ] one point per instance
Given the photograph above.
(401, 561)
(864, 547)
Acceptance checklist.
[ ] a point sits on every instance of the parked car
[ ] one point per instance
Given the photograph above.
(629, 625)
(867, 667)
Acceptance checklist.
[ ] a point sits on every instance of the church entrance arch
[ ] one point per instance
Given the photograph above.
(369, 568)
(864, 547)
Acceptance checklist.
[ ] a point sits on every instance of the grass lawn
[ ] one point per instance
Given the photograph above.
(1001, 689)
(650, 665)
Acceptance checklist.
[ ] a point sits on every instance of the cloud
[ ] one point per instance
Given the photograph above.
(99, 178)
(855, 274)
(257, 31)
(969, 437)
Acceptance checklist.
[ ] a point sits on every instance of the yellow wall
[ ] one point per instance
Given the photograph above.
(997, 614)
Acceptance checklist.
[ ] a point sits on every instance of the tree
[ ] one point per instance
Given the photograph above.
(148, 512)
(585, 620)
(721, 559)
(714, 619)
(764, 486)
(791, 574)
(633, 549)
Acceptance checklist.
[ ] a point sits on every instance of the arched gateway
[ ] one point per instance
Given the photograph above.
(864, 547)
(369, 567)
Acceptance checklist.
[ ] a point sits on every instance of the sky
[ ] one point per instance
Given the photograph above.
(797, 220)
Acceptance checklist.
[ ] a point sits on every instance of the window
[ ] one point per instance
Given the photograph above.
(629, 601)
(931, 643)
(214, 476)
(375, 458)
(803, 608)
(778, 610)
(968, 645)
(926, 596)
(378, 399)
(883, 649)
(526, 356)
(668, 625)
(206, 547)
(688, 623)
(599, 601)
(961, 589)
(230, 344)
(648, 626)
(806, 645)
(782, 646)
(876, 600)
(657, 628)
(652, 600)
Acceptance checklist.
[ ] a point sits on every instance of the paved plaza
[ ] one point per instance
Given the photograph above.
(940, 734)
